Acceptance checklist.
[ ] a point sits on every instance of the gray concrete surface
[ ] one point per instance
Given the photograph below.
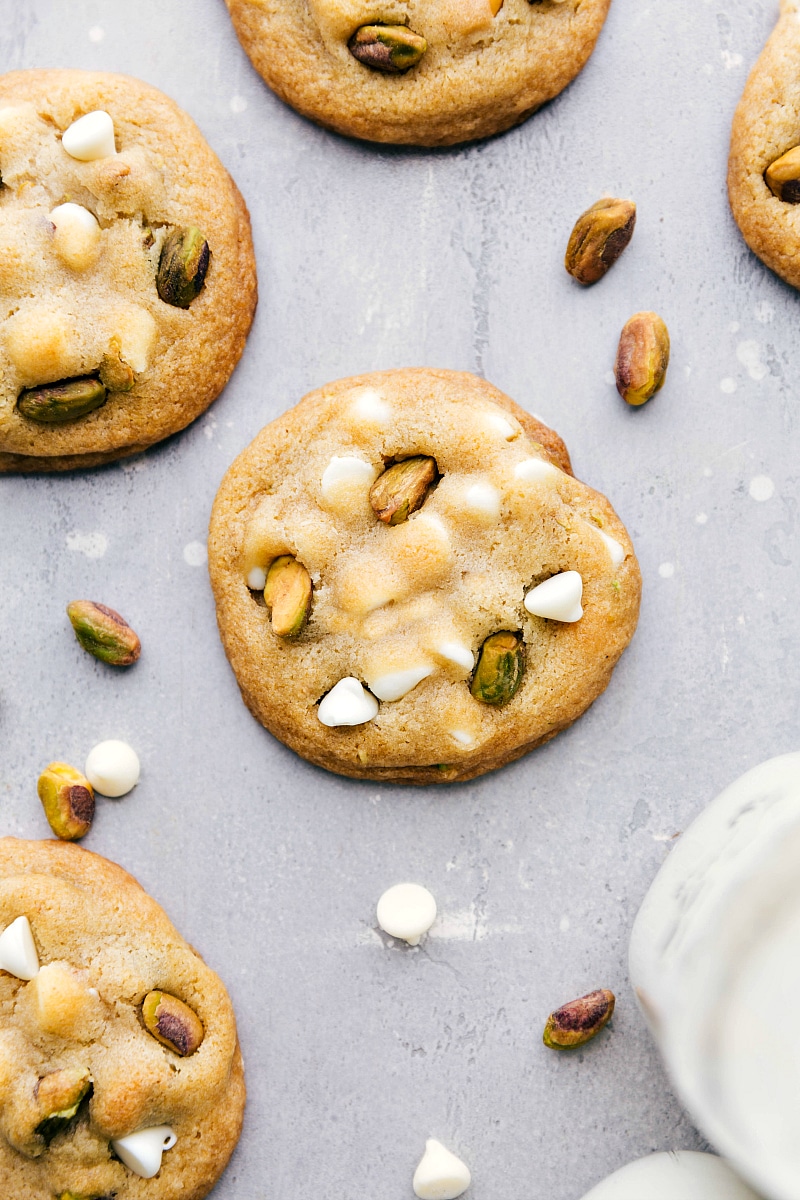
(357, 1050)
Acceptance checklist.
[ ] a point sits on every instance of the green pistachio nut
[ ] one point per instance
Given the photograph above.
(182, 267)
(58, 1096)
(576, 1023)
(114, 372)
(68, 801)
(783, 176)
(598, 239)
(642, 358)
(402, 488)
(55, 403)
(392, 49)
(501, 665)
(104, 633)
(287, 593)
(172, 1023)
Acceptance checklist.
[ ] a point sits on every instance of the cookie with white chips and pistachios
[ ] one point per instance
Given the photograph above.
(764, 163)
(127, 277)
(120, 1070)
(422, 72)
(410, 582)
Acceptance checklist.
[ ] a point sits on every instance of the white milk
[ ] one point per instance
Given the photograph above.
(715, 960)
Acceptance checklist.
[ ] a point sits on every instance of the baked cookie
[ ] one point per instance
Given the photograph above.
(127, 278)
(764, 165)
(120, 1071)
(410, 583)
(424, 72)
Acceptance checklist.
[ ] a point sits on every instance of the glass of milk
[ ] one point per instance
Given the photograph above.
(715, 961)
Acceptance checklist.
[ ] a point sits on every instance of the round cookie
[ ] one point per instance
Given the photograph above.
(78, 1068)
(485, 65)
(766, 126)
(102, 265)
(407, 613)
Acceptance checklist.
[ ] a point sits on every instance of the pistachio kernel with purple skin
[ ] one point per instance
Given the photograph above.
(598, 239)
(172, 1023)
(182, 267)
(103, 633)
(403, 488)
(576, 1023)
(67, 799)
(391, 49)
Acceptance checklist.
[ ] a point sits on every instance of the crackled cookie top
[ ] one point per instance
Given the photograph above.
(411, 583)
(120, 1073)
(427, 72)
(126, 273)
(764, 165)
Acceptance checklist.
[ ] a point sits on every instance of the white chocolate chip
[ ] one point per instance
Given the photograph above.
(463, 737)
(345, 476)
(615, 549)
(141, 1152)
(18, 950)
(90, 137)
(43, 344)
(347, 703)
(558, 598)
(406, 911)
(535, 470)
(133, 331)
(257, 579)
(502, 426)
(483, 501)
(112, 768)
(454, 652)
(77, 236)
(395, 684)
(440, 1175)
(371, 408)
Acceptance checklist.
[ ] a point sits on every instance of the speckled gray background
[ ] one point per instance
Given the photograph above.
(368, 258)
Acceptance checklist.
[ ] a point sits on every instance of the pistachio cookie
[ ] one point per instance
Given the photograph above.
(126, 269)
(764, 165)
(120, 1071)
(423, 72)
(411, 584)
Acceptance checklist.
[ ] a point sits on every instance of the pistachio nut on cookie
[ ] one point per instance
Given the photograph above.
(410, 582)
(127, 276)
(422, 72)
(764, 163)
(120, 1069)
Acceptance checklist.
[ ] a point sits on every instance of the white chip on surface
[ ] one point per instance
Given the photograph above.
(347, 703)
(615, 549)
(406, 911)
(90, 137)
(558, 598)
(112, 768)
(456, 653)
(370, 407)
(535, 470)
(440, 1174)
(482, 500)
(393, 685)
(141, 1151)
(463, 737)
(18, 950)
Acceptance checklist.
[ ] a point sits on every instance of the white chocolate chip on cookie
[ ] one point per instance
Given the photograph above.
(90, 137)
(142, 1151)
(395, 684)
(42, 344)
(558, 598)
(456, 653)
(347, 703)
(482, 502)
(18, 951)
(615, 549)
(535, 470)
(77, 236)
(346, 482)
